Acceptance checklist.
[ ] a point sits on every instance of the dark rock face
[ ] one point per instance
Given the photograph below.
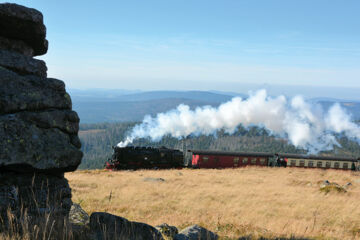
(38, 193)
(31, 93)
(30, 197)
(42, 145)
(108, 226)
(16, 46)
(196, 232)
(38, 129)
(22, 64)
(25, 24)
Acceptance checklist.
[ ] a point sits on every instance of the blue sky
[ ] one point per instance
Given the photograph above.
(195, 44)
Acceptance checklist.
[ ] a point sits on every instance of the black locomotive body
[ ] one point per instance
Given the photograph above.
(145, 158)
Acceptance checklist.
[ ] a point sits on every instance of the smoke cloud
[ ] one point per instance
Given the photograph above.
(305, 125)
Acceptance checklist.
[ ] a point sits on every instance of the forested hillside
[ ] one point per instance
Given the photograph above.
(98, 139)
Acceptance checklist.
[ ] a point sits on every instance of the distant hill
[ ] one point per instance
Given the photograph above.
(191, 95)
(133, 107)
(95, 112)
(94, 106)
(122, 96)
(95, 95)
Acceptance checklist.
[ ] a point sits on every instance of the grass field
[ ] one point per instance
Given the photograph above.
(269, 202)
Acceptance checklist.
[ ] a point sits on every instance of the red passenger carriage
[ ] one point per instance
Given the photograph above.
(219, 159)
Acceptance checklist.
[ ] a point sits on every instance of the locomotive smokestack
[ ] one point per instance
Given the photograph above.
(304, 124)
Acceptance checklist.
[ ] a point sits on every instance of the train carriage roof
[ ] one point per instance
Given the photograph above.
(138, 149)
(223, 153)
(316, 157)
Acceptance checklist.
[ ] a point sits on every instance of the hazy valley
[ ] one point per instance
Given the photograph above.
(97, 106)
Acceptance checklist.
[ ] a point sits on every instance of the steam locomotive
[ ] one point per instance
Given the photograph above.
(164, 158)
(144, 158)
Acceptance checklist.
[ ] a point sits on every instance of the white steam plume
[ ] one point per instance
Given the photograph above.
(305, 125)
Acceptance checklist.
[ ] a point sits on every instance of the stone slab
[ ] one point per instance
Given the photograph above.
(26, 24)
(16, 46)
(26, 147)
(108, 226)
(22, 64)
(31, 93)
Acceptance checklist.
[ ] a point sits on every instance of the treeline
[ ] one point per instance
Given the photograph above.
(97, 141)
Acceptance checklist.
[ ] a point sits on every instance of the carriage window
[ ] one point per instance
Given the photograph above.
(328, 164)
(336, 165)
(253, 160)
(345, 165)
(162, 154)
(319, 164)
(216, 159)
(302, 163)
(262, 161)
(293, 163)
(310, 164)
(245, 160)
(236, 160)
(205, 159)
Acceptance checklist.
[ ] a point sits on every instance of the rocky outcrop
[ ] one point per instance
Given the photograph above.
(23, 24)
(22, 64)
(196, 232)
(31, 93)
(39, 146)
(38, 194)
(103, 226)
(108, 226)
(38, 129)
(16, 46)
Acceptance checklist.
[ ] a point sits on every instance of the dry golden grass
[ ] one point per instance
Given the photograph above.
(232, 202)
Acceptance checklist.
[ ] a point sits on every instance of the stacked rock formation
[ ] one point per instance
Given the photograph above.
(38, 129)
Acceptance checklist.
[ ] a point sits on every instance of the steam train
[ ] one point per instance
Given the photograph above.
(145, 158)
(164, 158)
